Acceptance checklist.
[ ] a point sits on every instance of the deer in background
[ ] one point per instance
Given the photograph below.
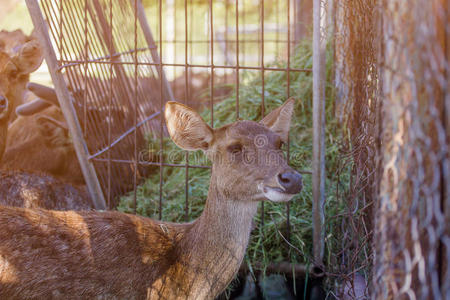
(39, 140)
(49, 254)
(15, 67)
(18, 58)
(20, 55)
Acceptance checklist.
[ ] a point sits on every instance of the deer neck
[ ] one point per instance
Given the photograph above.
(216, 243)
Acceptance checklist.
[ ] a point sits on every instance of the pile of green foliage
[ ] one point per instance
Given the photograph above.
(266, 243)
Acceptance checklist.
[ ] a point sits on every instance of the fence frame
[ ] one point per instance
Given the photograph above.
(85, 159)
(68, 110)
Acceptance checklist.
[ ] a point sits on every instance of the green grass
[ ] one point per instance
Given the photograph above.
(266, 244)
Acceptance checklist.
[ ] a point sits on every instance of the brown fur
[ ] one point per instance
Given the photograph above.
(3, 133)
(111, 255)
(19, 56)
(25, 56)
(36, 145)
(18, 188)
(11, 40)
(39, 141)
(22, 189)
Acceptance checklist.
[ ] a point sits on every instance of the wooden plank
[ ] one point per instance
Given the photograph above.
(68, 110)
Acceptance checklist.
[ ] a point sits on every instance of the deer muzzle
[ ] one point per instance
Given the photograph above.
(283, 187)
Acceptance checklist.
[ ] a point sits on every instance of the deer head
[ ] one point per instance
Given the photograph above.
(247, 156)
(248, 166)
(16, 63)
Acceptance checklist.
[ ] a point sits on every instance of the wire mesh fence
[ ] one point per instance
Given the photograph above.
(115, 81)
(111, 80)
(412, 224)
(357, 105)
(121, 68)
(386, 230)
(392, 86)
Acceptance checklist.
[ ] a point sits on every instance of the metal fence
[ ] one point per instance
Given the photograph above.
(114, 69)
(115, 81)
(391, 80)
(412, 223)
(392, 88)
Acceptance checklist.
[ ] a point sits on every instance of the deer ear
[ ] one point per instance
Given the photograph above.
(44, 92)
(279, 120)
(32, 107)
(186, 128)
(30, 57)
(48, 125)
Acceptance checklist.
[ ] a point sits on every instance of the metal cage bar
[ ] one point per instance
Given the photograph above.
(318, 164)
(113, 73)
(66, 106)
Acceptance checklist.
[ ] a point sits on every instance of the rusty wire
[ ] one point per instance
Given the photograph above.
(357, 104)
(412, 220)
(391, 77)
(391, 85)
(117, 81)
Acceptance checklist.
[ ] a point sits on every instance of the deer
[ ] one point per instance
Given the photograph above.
(112, 255)
(17, 187)
(20, 55)
(15, 66)
(35, 190)
(39, 139)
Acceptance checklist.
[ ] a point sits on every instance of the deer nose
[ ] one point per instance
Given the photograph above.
(291, 182)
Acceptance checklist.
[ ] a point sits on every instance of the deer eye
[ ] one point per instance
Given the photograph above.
(235, 148)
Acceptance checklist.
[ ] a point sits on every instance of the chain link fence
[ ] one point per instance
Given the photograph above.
(387, 207)
(391, 64)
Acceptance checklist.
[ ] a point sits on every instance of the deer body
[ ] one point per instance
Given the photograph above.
(19, 56)
(111, 255)
(119, 255)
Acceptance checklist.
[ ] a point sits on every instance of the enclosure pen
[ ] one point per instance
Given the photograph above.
(392, 94)
(116, 74)
(64, 98)
(370, 128)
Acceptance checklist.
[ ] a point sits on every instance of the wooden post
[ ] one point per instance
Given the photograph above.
(68, 110)
(318, 164)
(153, 50)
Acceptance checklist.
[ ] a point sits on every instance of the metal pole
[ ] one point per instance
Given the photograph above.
(153, 49)
(68, 110)
(318, 164)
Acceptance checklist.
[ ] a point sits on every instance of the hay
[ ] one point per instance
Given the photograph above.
(266, 244)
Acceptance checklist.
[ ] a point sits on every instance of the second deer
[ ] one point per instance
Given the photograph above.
(49, 254)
